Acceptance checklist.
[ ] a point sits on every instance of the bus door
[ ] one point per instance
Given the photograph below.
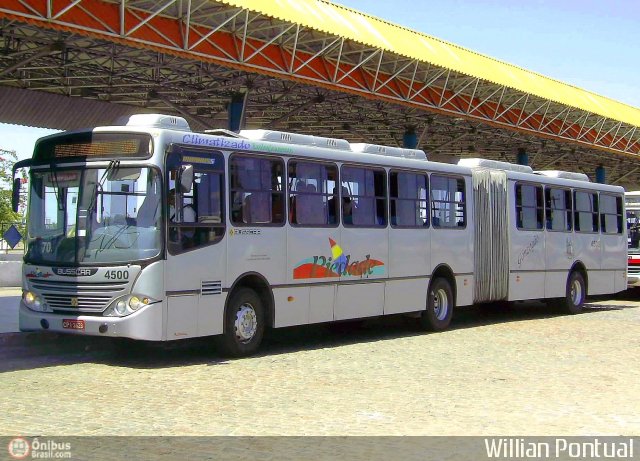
(195, 265)
(362, 252)
(313, 258)
(409, 242)
(527, 259)
(614, 241)
(587, 245)
(560, 246)
(257, 238)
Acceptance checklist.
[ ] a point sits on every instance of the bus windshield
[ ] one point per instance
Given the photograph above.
(94, 215)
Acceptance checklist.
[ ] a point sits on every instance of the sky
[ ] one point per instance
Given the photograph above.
(592, 44)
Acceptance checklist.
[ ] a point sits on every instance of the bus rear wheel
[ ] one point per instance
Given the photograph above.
(244, 324)
(437, 316)
(573, 302)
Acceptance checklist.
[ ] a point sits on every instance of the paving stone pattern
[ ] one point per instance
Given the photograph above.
(498, 371)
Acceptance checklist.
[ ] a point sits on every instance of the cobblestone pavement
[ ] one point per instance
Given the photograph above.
(512, 371)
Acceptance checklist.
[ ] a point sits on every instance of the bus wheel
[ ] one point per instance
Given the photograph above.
(439, 311)
(244, 324)
(573, 301)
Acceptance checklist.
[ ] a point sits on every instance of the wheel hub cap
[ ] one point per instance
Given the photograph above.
(440, 304)
(246, 323)
(576, 292)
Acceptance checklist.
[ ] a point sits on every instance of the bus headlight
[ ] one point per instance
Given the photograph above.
(29, 298)
(135, 303)
(121, 307)
(34, 302)
(127, 305)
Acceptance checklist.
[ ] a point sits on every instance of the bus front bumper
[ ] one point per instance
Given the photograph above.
(145, 324)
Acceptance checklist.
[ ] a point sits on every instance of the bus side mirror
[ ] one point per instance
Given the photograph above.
(185, 178)
(15, 196)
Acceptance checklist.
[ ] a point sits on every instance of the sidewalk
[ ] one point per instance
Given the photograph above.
(9, 304)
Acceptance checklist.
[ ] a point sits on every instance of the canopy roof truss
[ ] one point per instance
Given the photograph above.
(190, 56)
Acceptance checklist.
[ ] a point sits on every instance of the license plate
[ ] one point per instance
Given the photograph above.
(70, 324)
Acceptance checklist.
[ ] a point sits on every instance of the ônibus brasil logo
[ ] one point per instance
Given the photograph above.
(19, 448)
(337, 265)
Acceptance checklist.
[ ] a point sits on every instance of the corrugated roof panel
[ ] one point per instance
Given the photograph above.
(330, 18)
(46, 110)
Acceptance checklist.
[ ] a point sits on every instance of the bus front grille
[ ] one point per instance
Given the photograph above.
(74, 296)
(77, 303)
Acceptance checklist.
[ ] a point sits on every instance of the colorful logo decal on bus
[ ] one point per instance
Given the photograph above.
(337, 265)
(37, 273)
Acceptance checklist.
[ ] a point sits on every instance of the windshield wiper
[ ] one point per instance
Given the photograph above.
(56, 186)
(113, 165)
(112, 239)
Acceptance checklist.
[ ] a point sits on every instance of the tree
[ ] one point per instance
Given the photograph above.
(7, 160)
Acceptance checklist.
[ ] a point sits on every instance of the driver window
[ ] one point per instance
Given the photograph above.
(195, 211)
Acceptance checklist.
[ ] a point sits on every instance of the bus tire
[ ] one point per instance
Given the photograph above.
(573, 302)
(244, 324)
(437, 316)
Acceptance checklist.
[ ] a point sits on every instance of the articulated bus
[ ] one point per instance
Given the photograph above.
(632, 204)
(151, 231)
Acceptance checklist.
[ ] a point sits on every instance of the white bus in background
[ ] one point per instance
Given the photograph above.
(271, 229)
(632, 205)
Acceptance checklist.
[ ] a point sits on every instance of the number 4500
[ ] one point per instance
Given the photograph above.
(117, 275)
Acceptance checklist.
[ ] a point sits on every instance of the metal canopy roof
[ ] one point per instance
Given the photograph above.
(305, 65)
(349, 24)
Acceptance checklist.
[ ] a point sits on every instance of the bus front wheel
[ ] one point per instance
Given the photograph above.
(440, 303)
(573, 301)
(244, 324)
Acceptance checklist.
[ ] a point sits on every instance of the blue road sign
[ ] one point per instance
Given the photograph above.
(12, 236)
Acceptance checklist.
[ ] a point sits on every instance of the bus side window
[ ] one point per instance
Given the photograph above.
(529, 207)
(585, 211)
(367, 196)
(196, 217)
(257, 195)
(408, 196)
(610, 214)
(558, 209)
(312, 193)
(448, 202)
